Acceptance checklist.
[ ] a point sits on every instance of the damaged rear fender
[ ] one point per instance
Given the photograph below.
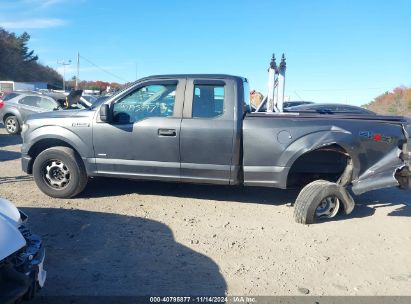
(392, 170)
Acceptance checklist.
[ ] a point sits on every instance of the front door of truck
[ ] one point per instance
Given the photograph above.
(142, 141)
(207, 131)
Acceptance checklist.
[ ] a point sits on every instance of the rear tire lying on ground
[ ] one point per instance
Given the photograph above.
(12, 125)
(59, 172)
(321, 200)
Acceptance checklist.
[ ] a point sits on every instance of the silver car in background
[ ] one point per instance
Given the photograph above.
(15, 107)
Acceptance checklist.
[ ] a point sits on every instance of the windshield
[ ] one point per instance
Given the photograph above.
(90, 98)
(99, 101)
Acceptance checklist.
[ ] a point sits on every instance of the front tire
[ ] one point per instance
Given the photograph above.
(12, 125)
(319, 200)
(59, 172)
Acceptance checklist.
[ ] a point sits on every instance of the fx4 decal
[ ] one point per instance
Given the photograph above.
(376, 136)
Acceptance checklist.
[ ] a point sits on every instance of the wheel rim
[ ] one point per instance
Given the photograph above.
(11, 125)
(56, 174)
(328, 207)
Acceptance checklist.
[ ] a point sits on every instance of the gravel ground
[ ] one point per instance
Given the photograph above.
(125, 237)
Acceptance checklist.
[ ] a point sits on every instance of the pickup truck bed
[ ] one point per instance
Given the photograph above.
(321, 144)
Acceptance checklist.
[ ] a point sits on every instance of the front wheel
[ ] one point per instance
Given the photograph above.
(59, 172)
(12, 125)
(321, 200)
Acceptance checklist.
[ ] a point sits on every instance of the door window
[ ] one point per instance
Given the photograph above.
(208, 101)
(31, 101)
(46, 104)
(155, 100)
(9, 96)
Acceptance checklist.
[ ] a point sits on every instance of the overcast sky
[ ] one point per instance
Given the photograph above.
(337, 51)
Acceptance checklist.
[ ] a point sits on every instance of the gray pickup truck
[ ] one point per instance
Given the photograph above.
(199, 129)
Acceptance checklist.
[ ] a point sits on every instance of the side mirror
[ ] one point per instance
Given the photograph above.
(105, 113)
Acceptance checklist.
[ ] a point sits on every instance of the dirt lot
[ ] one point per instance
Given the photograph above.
(135, 238)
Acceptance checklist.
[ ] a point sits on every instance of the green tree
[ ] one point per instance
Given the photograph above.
(18, 63)
(26, 55)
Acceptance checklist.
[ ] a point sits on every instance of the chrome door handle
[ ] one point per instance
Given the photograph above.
(167, 132)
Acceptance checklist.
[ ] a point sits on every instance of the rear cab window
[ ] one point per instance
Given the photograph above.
(208, 100)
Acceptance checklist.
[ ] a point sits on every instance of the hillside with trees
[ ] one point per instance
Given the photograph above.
(396, 102)
(18, 63)
(93, 85)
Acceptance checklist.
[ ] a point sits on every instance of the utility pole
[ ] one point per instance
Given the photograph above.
(64, 63)
(78, 69)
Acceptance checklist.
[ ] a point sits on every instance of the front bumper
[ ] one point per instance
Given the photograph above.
(22, 274)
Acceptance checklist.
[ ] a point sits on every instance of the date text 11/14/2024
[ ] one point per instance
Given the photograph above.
(203, 299)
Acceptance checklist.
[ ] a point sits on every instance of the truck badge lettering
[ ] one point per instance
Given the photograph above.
(376, 136)
(80, 124)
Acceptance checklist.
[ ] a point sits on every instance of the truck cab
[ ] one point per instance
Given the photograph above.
(162, 125)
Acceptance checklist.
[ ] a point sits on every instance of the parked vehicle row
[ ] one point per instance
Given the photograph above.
(16, 106)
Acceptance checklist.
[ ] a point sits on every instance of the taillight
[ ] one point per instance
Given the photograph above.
(1, 104)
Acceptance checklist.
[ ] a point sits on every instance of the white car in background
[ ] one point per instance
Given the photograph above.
(21, 256)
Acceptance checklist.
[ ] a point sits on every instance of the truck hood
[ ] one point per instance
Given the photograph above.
(11, 239)
(59, 114)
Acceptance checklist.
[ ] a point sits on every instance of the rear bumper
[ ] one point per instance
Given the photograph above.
(27, 163)
(403, 175)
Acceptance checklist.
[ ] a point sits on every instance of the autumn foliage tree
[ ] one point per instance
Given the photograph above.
(396, 102)
(93, 85)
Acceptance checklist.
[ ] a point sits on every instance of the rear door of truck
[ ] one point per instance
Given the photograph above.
(207, 131)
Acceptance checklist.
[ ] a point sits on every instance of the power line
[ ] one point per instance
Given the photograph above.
(104, 70)
(335, 90)
(298, 95)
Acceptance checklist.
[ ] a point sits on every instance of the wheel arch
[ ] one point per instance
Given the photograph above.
(317, 156)
(47, 143)
(12, 112)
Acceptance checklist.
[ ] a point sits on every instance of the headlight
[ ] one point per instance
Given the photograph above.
(25, 127)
